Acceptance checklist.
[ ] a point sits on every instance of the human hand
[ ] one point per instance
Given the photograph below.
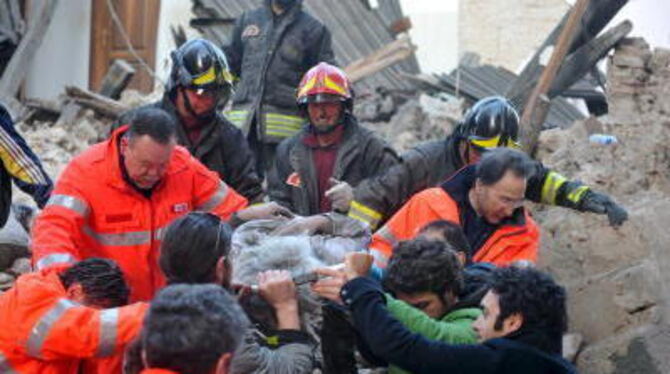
(357, 264)
(264, 211)
(304, 226)
(277, 288)
(330, 286)
(340, 195)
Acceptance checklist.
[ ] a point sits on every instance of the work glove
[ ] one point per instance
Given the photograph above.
(602, 204)
(340, 195)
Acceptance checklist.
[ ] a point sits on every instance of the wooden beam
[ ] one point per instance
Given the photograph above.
(586, 57)
(380, 59)
(101, 104)
(596, 17)
(531, 123)
(18, 66)
(117, 79)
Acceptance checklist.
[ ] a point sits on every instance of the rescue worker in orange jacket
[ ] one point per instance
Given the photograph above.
(485, 199)
(54, 318)
(116, 199)
(492, 122)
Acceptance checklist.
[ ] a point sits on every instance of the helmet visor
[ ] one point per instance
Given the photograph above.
(322, 98)
(494, 142)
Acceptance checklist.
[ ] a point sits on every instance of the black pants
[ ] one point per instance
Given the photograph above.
(263, 152)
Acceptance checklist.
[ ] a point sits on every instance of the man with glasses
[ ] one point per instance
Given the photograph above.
(200, 82)
(492, 122)
(486, 199)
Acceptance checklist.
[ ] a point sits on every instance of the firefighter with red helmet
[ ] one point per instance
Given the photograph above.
(316, 169)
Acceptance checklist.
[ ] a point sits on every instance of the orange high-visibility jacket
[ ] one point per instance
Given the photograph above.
(158, 371)
(44, 332)
(507, 244)
(94, 212)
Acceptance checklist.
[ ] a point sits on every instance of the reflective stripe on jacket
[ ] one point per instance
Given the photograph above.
(507, 244)
(94, 212)
(431, 163)
(270, 54)
(50, 334)
(277, 126)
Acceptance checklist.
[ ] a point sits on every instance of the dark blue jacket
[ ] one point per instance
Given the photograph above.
(391, 341)
(20, 164)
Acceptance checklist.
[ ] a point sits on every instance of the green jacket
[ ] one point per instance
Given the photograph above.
(454, 327)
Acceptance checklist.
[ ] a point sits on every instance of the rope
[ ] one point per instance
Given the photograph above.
(129, 44)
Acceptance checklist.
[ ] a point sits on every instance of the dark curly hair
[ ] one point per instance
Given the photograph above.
(422, 265)
(101, 280)
(533, 294)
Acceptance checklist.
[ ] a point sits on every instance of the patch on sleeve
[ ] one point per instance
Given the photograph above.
(294, 180)
(251, 31)
(180, 208)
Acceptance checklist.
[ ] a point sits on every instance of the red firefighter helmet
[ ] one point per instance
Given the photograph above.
(324, 83)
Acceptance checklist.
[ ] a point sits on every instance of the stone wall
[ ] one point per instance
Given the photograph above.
(618, 279)
(506, 33)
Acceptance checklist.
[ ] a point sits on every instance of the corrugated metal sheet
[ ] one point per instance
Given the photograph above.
(357, 31)
(476, 82)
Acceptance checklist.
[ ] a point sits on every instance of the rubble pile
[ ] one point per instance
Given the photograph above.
(618, 279)
(419, 119)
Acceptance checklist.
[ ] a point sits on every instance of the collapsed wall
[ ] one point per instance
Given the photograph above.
(618, 279)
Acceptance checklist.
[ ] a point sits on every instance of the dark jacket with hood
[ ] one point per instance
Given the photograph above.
(525, 351)
(222, 148)
(270, 54)
(360, 155)
(431, 163)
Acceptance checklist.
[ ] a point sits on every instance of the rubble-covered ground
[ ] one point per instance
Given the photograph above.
(618, 279)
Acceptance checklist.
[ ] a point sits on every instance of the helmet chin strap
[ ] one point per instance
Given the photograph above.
(203, 118)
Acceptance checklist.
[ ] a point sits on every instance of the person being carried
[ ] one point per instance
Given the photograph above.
(197, 250)
(199, 84)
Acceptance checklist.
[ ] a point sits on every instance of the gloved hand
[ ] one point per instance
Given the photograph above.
(340, 195)
(602, 204)
(305, 226)
(264, 211)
